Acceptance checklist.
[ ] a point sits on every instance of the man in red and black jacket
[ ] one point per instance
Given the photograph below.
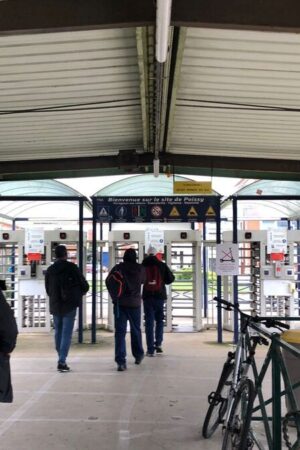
(158, 275)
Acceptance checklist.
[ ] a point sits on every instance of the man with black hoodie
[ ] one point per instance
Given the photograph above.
(8, 339)
(158, 275)
(128, 308)
(65, 286)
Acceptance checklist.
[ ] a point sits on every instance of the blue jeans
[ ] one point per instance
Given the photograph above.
(63, 334)
(122, 315)
(154, 318)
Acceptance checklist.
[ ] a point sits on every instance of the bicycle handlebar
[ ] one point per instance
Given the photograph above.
(269, 322)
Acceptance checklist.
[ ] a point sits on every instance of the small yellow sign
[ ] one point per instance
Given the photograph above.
(192, 187)
(174, 212)
(210, 211)
(192, 212)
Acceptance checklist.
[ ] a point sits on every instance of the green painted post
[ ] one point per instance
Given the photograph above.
(276, 403)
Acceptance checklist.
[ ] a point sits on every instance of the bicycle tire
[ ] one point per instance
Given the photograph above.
(236, 435)
(217, 407)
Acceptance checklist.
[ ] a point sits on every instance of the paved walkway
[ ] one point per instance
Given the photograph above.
(158, 405)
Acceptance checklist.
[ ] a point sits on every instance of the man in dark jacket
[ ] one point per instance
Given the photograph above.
(158, 275)
(65, 286)
(128, 308)
(8, 327)
(8, 338)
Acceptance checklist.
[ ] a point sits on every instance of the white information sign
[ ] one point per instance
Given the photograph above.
(277, 241)
(227, 262)
(34, 241)
(154, 238)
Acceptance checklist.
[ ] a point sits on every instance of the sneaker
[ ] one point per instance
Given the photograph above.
(121, 367)
(62, 367)
(158, 349)
(149, 354)
(139, 360)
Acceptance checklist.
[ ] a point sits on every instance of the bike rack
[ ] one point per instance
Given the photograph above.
(274, 359)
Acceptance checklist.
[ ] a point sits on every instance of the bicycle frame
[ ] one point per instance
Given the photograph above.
(242, 362)
(243, 359)
(274, 359)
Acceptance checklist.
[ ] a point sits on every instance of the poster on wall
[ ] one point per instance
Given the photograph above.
(227, 259)
(277, 241)
(154, 239)
(34, 241)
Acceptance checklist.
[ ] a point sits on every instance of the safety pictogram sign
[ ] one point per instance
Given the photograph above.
(210, 212)
(174, 212)
(103, 212)
(227, 259)
(192, 212)
(156, 211)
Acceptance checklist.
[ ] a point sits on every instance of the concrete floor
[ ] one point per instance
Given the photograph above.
(158, 405)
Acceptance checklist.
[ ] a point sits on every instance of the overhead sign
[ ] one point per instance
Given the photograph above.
(277, 241)
(192, 187)
(34, 241)
(227, 259)
(154, 240)
(158, 209)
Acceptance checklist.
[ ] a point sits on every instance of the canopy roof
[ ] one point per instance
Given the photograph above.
(59, 209)
(260, 209)
(142, 185)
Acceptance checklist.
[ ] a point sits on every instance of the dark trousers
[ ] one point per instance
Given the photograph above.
(154, 322)
(133, 316)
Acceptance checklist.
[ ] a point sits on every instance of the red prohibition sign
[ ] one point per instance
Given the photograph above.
(156, 211)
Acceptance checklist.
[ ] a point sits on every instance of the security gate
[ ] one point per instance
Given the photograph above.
(185, 295)
(183, 256)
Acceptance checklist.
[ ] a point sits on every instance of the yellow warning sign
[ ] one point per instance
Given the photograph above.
(210, 211)
(174, 212)
(192, 212)
(192, 187)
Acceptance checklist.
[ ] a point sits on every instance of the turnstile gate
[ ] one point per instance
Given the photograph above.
(183, 255)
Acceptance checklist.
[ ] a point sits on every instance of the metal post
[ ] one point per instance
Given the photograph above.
(80, 264)
(94, 272)
(276, 398)
(204, 252)
(101, 272)
(298, 266)
(235, 278)
(219, 285)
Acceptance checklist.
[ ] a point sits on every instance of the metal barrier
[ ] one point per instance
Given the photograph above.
(278, 429)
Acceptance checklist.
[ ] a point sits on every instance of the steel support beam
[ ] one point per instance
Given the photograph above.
(142, 163)
(21, 16)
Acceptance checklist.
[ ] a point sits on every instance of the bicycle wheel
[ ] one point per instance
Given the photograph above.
(236, 435)
(217, 402)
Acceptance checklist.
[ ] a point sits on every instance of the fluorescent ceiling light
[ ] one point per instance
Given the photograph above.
(156, 167)
(163, 19)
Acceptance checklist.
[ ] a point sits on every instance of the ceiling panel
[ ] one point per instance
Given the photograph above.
(238, 95)
(69, 94)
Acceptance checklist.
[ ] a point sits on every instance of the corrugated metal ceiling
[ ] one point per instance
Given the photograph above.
(94, 93)
(232, 86)
(72, 94)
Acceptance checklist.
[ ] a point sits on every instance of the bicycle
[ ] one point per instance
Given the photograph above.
(232, 403)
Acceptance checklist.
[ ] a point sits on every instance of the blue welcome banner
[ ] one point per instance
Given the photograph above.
(158, 209)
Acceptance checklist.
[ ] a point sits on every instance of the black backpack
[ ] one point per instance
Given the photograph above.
(67, 283)
(116, 284)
